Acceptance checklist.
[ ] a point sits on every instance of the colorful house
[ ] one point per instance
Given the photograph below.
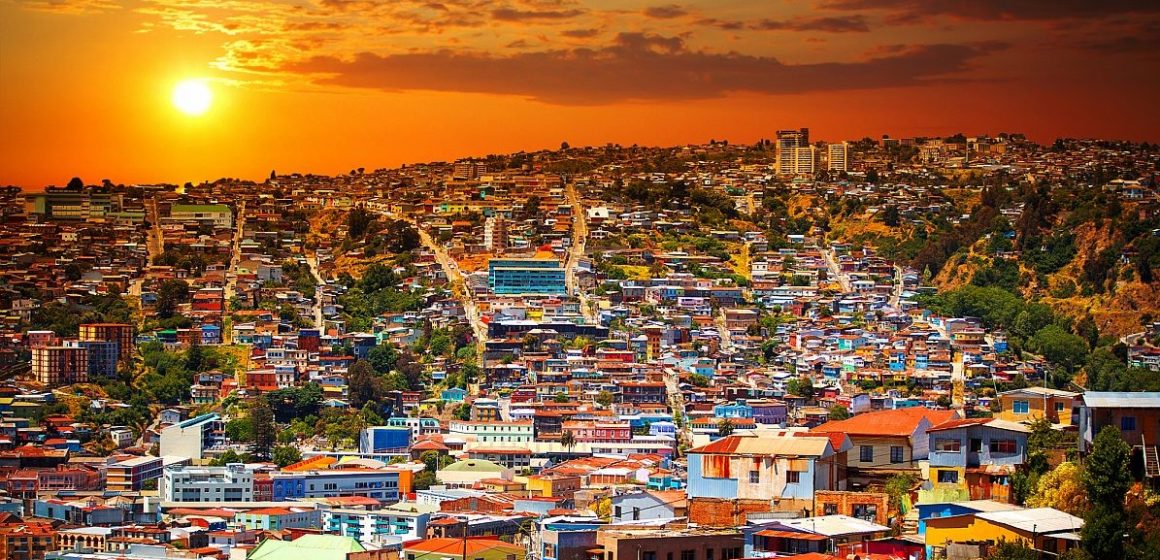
(974, 459)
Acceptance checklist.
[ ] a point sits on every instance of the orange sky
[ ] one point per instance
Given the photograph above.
(330, 85)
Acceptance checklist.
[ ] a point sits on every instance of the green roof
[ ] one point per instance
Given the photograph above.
(200, 208)
(474, 465)
(314, 547)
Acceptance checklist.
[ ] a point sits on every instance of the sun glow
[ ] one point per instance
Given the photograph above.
(192, 97)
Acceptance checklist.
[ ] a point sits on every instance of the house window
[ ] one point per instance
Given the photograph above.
(792, 477)
(617, 513)
(829, 509)
(1003, 446)
(1021, 407)
(636, 515)
(866, 512)
(896, 453)
(648, 555)
(948, 477)
(1128, 423)
(754, 477)
(708, 554)
(688, 555)
(866, 453)
(947, 444)
(1059, 407)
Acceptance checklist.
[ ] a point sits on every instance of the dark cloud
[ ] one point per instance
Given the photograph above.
(512, 14)
(580, 33)
(990, 10)
(835, 24)
(668, 11)
(636, 67)
(838, 24)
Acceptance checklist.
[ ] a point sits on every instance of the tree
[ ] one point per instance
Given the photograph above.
(265, 432)
(430, 460)
(698, 380)
(425, 480)
(568, 440)
(561, 397)
(1106, 479)
(1061, 488)
(839, 412)
(724, 427)
(604, 398)
(285, 455)
(363, 385)
(383, 358)
(890, 216)
(1043, 438)
(801, 386)
(1008, 550)
(169, 294)
(76, 183)
(1060, 346)
(358, 222)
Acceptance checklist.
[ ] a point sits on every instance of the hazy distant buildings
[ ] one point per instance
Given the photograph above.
(837, 157)
(467, 170)
(795, 155)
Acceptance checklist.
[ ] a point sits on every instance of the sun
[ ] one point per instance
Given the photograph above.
(192, 97)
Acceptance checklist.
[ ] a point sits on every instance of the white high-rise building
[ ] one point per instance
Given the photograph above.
(788, 144)
(838, 157)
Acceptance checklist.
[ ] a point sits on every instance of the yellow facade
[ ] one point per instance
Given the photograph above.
(970, 529)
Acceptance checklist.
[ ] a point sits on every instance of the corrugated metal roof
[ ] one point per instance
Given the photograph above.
(1121, 400)
(768, 445)
(1038, 520)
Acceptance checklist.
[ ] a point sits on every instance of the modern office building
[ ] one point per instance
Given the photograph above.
(231, 483)
(788, 142)
(194, 437)
(838, 157)
(526, 277)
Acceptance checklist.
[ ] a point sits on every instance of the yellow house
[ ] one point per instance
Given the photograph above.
(1045, 529)
(1024, 405)
(553, 485)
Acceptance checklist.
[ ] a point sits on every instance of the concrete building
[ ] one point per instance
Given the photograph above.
(129, 475)
(60, 365)
(120, 333)
(193, 437)
(216, 215)
(231, 483)
(377, 526)
(489, 433)
(788, 143)
(526, 277)
(837, 157)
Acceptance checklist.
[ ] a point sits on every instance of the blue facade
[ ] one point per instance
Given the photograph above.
(733, 411)
(384, 439)
(526, 276)
(973, 446)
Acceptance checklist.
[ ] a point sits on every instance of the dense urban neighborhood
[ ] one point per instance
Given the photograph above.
(891, 348)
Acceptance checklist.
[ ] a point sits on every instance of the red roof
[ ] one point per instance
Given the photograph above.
(790, 535)
(960, 422)
(456, 547)
(897, 422)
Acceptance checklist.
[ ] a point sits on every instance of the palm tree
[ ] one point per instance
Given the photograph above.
(724, 427)
(568, 440)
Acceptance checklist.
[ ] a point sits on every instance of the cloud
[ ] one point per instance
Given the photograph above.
(513, 14)
(837, 24)
(668, 11)
(71, 6)
(635, 66)
(998, 10)
(580, 33)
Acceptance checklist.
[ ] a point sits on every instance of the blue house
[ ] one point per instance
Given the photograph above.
(974, 459)
(454, 394)
(734, 410)
(782, 470)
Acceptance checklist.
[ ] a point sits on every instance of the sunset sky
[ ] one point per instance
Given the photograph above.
(86, 86)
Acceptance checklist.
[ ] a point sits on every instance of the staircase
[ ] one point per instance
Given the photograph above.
(910, 522)
(1151, 460)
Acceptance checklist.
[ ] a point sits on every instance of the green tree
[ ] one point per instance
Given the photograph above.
(430, 460)
(1060, 347)
(363, 386)
(265, 433)
(383, 358)
(698, 380)
(561, 397)
(725, 427)
(1007, 550)
(285, 455)
(169, 294)
(1107, 479)
(839, 412)
(568, 440)
(604, 398)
